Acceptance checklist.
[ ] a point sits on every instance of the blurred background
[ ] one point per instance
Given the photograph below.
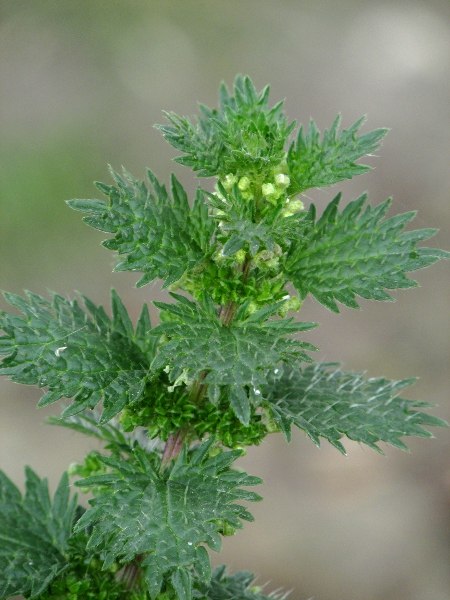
(81, 84)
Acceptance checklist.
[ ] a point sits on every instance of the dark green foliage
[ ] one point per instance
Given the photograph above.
(355, 252)
(326, 402)
(239, 228)
(34, 535)
(243, 136)
(161, 412)
(225, 283)
(85, 579)
(167, 516)
(80, 585)
(114, 439)
(220, 370)
(176, 410)
(313, 163)
(239, 586)
(237, 356)
(74, 354)
(162, 237)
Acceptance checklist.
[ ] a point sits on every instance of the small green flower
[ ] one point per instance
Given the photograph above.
(268, 190)
(244, 183)
(240, 256)
(282, 180)
(229, 181)
(292, 207)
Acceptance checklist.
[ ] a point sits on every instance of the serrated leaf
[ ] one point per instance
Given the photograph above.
(238, 225)
(182, 583)
(166, 519)
(357, 253)
(203, 565)
(237, 356)
(240, 403)
(159, 235)
(239, 586)
(313, 163)
(87, 423)
(326, 402)
(87, 357)
(242, 135)
(33, 535)
(94, 207)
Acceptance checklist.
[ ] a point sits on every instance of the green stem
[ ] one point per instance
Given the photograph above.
(176, 440)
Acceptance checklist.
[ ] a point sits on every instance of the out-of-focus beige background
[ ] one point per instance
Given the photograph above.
(81, 84)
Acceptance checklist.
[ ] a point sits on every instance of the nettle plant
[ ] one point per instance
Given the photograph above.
(222, 370)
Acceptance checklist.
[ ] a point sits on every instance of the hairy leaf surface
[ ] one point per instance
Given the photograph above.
(239, 586)
(356, 252)
(237, 356)
(238, 226)
(242, 136)
(160, 236)
(167, 517)
(89, 423)
(314, 163)
(326, 402)
(74, 354)
(33, 535)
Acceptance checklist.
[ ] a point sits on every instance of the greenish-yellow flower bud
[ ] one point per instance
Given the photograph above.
(295, 205)
(229, 181)
(282, 180)
(272, 263)
(294, 303)
(240, 255)
(244, 183)
(252, 307)
(268, 189)
(263, 256)
(292, 207)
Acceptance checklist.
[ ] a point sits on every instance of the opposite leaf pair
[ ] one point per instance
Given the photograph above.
(220, 369)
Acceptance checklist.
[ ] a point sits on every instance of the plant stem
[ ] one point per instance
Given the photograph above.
(176, 440)
(173, 446)
(131, 573)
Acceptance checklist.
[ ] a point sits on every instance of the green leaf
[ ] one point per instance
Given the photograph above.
(326, 402)
(182, 583)
(88, 423)
(356, 252)
(240, 586)
(160, 236)
(166, 518)
(313, 163)
(240, 403)
(238, 224)
(237, 356)
(33, 535)
(87, 357)
(92, 207)
(203, 565)
(241, 136)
